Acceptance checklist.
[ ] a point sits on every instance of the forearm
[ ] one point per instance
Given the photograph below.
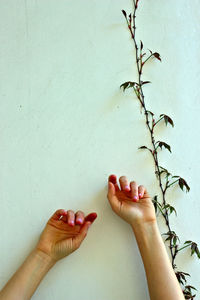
(24, 282)
(161, 279)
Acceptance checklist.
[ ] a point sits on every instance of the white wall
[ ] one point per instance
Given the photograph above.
(65, 126)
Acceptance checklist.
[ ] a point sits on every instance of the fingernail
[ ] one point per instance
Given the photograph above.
(127, 188)
(112, 178)
(79, 221)
(71, 223)
(135, 198)
(91, 217)
(140, 195)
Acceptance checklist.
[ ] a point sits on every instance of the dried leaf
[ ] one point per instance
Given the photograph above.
(182, 183)
(157, 55)
(164, 145)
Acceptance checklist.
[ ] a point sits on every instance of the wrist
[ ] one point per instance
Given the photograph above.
(44, 258)
(144, 229)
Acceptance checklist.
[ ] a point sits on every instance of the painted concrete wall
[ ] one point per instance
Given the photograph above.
(65, 126)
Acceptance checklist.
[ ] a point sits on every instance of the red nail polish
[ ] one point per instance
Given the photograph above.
(112, 178)
(91, 217)
(79, 222)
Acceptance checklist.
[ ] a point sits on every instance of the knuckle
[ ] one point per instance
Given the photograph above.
(141, 186)
(123, 178)
(133, 182)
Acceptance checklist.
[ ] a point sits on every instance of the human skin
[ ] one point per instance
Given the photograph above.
(133, 204)
(65, 231)
(62, 235)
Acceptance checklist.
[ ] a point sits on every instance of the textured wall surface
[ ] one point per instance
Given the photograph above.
(65, 126)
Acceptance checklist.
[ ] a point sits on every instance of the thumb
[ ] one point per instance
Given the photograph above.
(111, 189)
(114, 202)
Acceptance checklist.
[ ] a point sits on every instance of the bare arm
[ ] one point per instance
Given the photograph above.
(162, 281)
(63, 234)
(24, 282)
(133, 204)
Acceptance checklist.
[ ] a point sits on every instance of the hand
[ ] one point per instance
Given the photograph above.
(64, 232)
(132, 203)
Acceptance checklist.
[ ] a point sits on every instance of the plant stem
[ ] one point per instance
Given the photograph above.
(154, 153)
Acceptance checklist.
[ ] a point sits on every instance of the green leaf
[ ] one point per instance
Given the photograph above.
(174, 240)
(145, 82)
(128, 84)
(150, 112)
(155, 202)
(188, 242)
(194, 249)
(197, 252)
(167, 120)
(170, 208)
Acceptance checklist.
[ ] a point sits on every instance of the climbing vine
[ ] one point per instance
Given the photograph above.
(165, 179)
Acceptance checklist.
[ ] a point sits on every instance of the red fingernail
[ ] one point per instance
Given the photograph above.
(112, 178)
(91, 217)
(79, 221)
(127, 188)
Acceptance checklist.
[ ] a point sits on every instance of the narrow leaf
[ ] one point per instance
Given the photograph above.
(124, 13)
(143, 147)
(141, 45)
(145, 82)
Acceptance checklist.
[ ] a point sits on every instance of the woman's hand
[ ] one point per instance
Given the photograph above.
(64, 232)
(132, 203)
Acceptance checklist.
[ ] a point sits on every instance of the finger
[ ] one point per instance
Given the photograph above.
(79, 217)
(58, 213)
(70, 217)
(82, 234)
(141, 191)
(91, 217)
(113, 179)
(134, 191)
(124, 183)
(111, 195)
